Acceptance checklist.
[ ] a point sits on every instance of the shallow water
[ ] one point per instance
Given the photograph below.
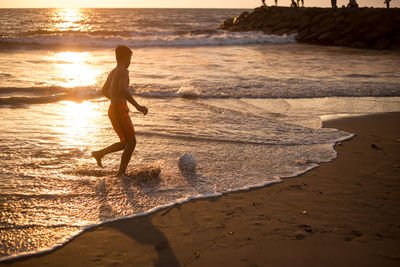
(247, 106)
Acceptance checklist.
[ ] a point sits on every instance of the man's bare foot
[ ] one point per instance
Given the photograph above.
(122, 175)
(98, 158)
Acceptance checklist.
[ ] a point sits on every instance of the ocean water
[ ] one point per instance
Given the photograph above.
(247, 106)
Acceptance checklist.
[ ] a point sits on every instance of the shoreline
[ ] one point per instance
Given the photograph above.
(240, 223)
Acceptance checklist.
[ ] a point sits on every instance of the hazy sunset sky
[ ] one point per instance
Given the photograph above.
(176, 3)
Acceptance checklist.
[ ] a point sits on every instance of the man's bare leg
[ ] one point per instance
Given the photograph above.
(98, 155)
(126, 156)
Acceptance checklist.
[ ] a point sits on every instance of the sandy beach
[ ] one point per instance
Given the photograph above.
(343, 213)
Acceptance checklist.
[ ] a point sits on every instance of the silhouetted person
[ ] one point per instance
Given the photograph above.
(387, 2)
(293, 4)
(116, 89)
(302, 3)
(334, 3)
(263, 2)
(352, 3)
(276, 2)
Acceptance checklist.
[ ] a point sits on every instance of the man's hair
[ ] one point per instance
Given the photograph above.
(122, 51)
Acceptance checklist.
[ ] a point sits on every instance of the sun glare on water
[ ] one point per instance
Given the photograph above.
(78, 121)
(74, 69)
(69, 19)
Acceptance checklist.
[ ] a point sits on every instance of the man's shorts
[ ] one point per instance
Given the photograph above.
(121, 122)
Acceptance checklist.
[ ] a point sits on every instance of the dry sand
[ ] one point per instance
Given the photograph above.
(343, 213)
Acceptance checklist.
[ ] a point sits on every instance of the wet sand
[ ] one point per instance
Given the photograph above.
(343, 213)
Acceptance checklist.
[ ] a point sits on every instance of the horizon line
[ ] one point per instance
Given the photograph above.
(139, 7)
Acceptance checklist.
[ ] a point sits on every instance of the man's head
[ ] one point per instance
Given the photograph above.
(123, 55)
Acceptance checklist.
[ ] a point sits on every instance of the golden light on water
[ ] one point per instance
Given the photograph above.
(75, 69)
(72, 68)
(69, 19)
(78, 121)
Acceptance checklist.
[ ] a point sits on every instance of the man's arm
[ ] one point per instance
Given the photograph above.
(106, 87)
(123, 89)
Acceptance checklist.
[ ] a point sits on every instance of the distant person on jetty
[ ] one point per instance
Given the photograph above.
(263, 2)
(352, 3)
(334, 3)
(293, 4)
(276, 2)
(116, 89)
(302, 3)
(387, 2)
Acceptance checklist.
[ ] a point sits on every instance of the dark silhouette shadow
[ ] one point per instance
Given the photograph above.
(140, 228)
(352, 4)
(143, 230)
(105, 210)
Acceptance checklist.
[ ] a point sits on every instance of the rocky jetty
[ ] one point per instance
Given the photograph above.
(375, 28)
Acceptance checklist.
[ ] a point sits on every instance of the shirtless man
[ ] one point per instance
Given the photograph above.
(116, 89)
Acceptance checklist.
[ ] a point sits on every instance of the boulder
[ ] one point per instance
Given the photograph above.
(349, 14)
(304, 23)
(327, 25)
(267, 30)
(382, 44)
(360, 34)
(356, 22)
(284, 31)
(396, 39)
(339, 18)
(256, 16)
(272, 20)
(313, 11)
(317, 19)
(360, 44)
(237, 28)
(340, 27)
(241, 18)
(325, 37)
(301, 35)
(257, 24)
(395, 47)
(372, 20)
(311, 37)
(227, 23)
(379, 31)
(336, 35)
(282, 25)
(345, 41)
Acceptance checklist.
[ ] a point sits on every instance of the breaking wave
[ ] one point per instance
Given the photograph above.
(43, 95)
(43, 39)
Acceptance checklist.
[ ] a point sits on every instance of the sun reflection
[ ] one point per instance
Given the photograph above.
(77, 124)
(75, 69)
(68, 19)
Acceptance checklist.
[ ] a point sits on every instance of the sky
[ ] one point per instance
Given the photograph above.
(175, 3)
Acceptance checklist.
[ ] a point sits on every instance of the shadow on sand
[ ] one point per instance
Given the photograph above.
(142, 230)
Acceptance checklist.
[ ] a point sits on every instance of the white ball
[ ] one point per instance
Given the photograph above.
(187, 163)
